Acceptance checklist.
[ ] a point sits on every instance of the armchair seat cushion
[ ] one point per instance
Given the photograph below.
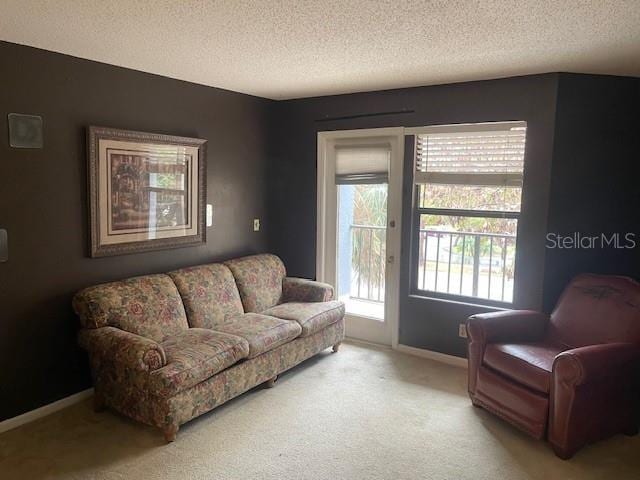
(193, 356)
(312, 317)
(263, 333)
(529, 364)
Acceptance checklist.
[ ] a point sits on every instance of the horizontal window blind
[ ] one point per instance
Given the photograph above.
(484, 157)
(364, 165)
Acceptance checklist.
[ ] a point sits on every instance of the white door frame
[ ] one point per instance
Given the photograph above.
(327, 202)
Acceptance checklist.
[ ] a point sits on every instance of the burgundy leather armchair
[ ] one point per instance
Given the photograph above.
(572, 377)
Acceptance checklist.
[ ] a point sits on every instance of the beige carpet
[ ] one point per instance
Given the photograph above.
(364, 413)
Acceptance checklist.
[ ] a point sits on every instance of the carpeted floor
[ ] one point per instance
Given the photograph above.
(364, 413)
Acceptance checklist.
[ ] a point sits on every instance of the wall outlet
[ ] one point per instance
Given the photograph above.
(462, 330)
(256, 224)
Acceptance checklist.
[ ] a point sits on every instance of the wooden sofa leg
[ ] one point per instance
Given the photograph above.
(271, 382)
(170, 432)
(336, 347)
(98, 403)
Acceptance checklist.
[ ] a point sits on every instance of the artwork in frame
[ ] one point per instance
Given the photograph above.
(147, 191)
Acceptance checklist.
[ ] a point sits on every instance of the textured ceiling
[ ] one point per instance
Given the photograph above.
(288, 49)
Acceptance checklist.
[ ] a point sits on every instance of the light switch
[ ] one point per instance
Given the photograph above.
(256, 224)
(209, 214)
(4, 245)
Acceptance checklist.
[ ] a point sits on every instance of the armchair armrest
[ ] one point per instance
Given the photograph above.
(506, 326)
(303, 290)
(127, 350)
(595, 362)
(594, 394)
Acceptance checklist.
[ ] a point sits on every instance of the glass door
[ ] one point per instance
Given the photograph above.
(359, 186)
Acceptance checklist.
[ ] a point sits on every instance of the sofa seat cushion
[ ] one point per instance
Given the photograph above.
(529, 364)
(263, 333)
(312, 317)
(193, 356)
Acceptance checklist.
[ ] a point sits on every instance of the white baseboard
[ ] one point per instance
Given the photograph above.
(358, 341)
(27, 417)
(431, 355)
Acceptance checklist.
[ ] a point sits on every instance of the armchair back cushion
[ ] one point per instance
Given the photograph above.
(148, 306)
(597, 309)
(209, 293)
(259, 279)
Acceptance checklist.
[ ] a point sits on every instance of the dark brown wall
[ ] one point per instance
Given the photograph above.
(424, 323)
(43, 195)
(43, 198)
(595, 184)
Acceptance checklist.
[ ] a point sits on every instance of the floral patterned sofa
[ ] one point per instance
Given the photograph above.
(167, 348)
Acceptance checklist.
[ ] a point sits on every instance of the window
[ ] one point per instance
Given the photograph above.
(468, 181)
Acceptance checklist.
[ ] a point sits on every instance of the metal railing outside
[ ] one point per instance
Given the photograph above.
(368, 254)
(464, 263)
(460, 263)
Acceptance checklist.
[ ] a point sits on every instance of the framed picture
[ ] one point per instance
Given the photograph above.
(146, 191)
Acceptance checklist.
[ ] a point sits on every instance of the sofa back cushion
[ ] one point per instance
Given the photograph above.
(597, 309)
(148, 306)
(209, 294)
(259, 279)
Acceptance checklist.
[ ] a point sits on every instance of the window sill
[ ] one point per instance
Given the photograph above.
(461, 301)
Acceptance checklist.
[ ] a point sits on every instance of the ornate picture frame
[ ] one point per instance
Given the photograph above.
(146, 191)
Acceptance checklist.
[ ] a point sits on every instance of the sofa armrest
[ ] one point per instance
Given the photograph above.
(595, 362)
(303, 290)
(128, 350)
(507, 326)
